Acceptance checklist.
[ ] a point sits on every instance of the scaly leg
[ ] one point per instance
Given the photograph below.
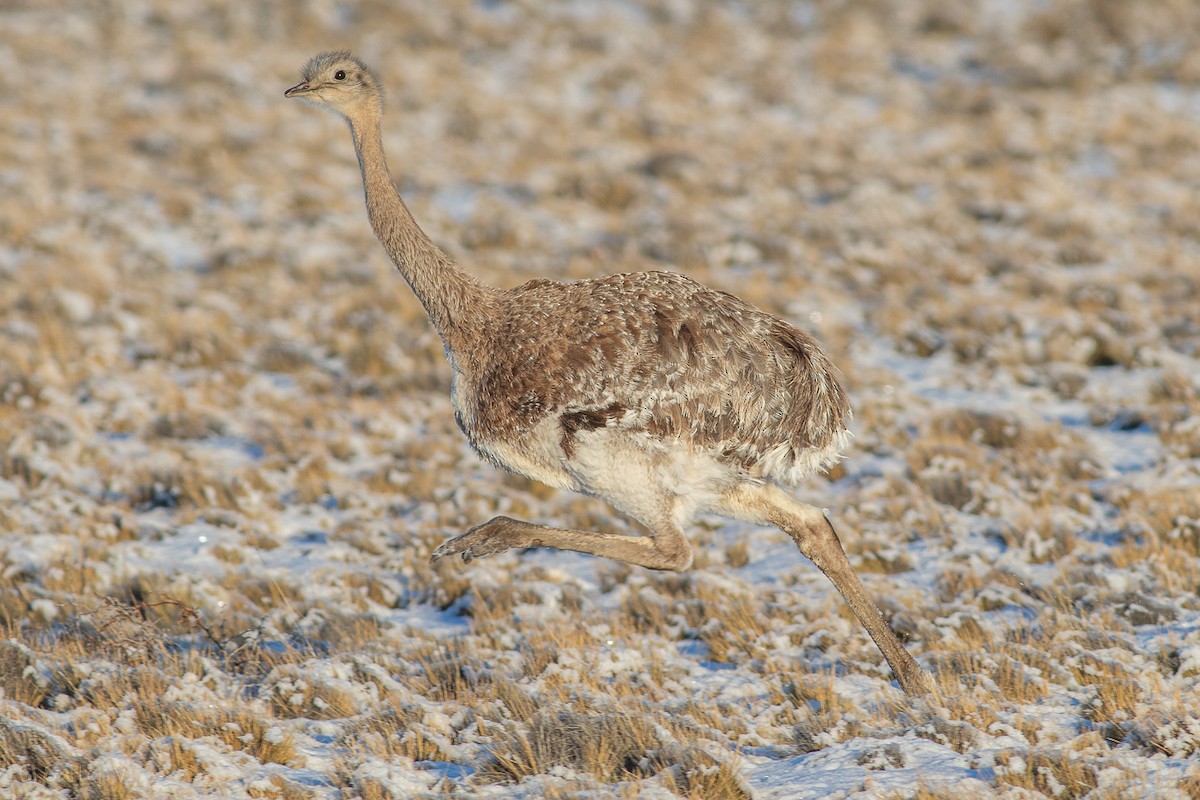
(665, 547)
(814, 535)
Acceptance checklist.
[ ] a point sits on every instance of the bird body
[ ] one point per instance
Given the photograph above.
(648, 390)
(649, 373)
(654, 354)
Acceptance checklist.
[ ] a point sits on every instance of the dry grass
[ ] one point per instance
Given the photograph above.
(106, 785)
(300, 698)
(38, 755)
(822, 716)
(612, 747)
(695, 774)
(395, 730)
(1170, 517)
(279, 788)
(923, 792)
(238, 728)
(19, 678)
(609, 746)
(1059, 774)
(226, 448)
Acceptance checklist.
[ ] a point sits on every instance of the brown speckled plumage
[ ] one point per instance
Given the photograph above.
(659, 352)
(661, 396)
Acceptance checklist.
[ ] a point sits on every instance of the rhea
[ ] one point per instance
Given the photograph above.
(647, 390)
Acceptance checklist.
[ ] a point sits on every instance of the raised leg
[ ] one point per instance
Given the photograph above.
(665, 548)
(813, 533)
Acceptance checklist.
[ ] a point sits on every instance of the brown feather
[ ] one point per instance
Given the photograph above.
(695, 365)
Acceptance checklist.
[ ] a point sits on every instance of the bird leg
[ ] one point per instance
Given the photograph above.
(820, 544)
(665, 548)
(817, 540)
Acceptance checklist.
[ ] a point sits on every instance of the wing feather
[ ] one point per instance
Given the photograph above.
(663, 353)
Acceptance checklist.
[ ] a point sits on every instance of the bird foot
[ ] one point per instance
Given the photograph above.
(917, 682)
(494, 536)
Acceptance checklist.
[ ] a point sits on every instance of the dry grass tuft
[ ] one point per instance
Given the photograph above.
(280, 788)
(109, 784)
(450, 674)
(142, 683)
(264, 593)
(732, 624)
(175, 756)
(1117, 700)
(611, 746)
(943, 466)
(520, 705)
(19, 674)
(923, 792)
(1170, 516)
(565, 638)
(737, 555)
(989, 429)
(442, 585)
(292, 694)
(38, 754)
(960, 736)
(821, 716)
(1169, 729)
(1057, 774)
(693, 773)
(239, 728)
(186, 425)
(997, 667)
(395, 730)
(344, 633)
(185, 487)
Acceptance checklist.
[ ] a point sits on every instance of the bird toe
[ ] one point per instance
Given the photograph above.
(443, 550)
(469, 545)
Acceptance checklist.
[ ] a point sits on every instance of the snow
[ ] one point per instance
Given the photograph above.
(867, 768)
(228, 449)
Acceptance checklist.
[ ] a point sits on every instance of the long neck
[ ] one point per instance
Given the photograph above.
(455, 302)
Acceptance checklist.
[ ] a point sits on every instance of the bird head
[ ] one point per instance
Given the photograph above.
(341, 83)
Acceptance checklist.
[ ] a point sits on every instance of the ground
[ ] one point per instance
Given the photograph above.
(227, 448)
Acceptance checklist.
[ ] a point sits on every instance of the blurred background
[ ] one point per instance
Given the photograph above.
(847, 160)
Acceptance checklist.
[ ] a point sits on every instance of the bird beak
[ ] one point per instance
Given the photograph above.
(298, 89)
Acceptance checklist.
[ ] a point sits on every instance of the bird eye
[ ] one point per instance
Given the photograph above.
(340, 75)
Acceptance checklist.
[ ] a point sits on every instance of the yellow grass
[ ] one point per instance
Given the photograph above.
(227, 449)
